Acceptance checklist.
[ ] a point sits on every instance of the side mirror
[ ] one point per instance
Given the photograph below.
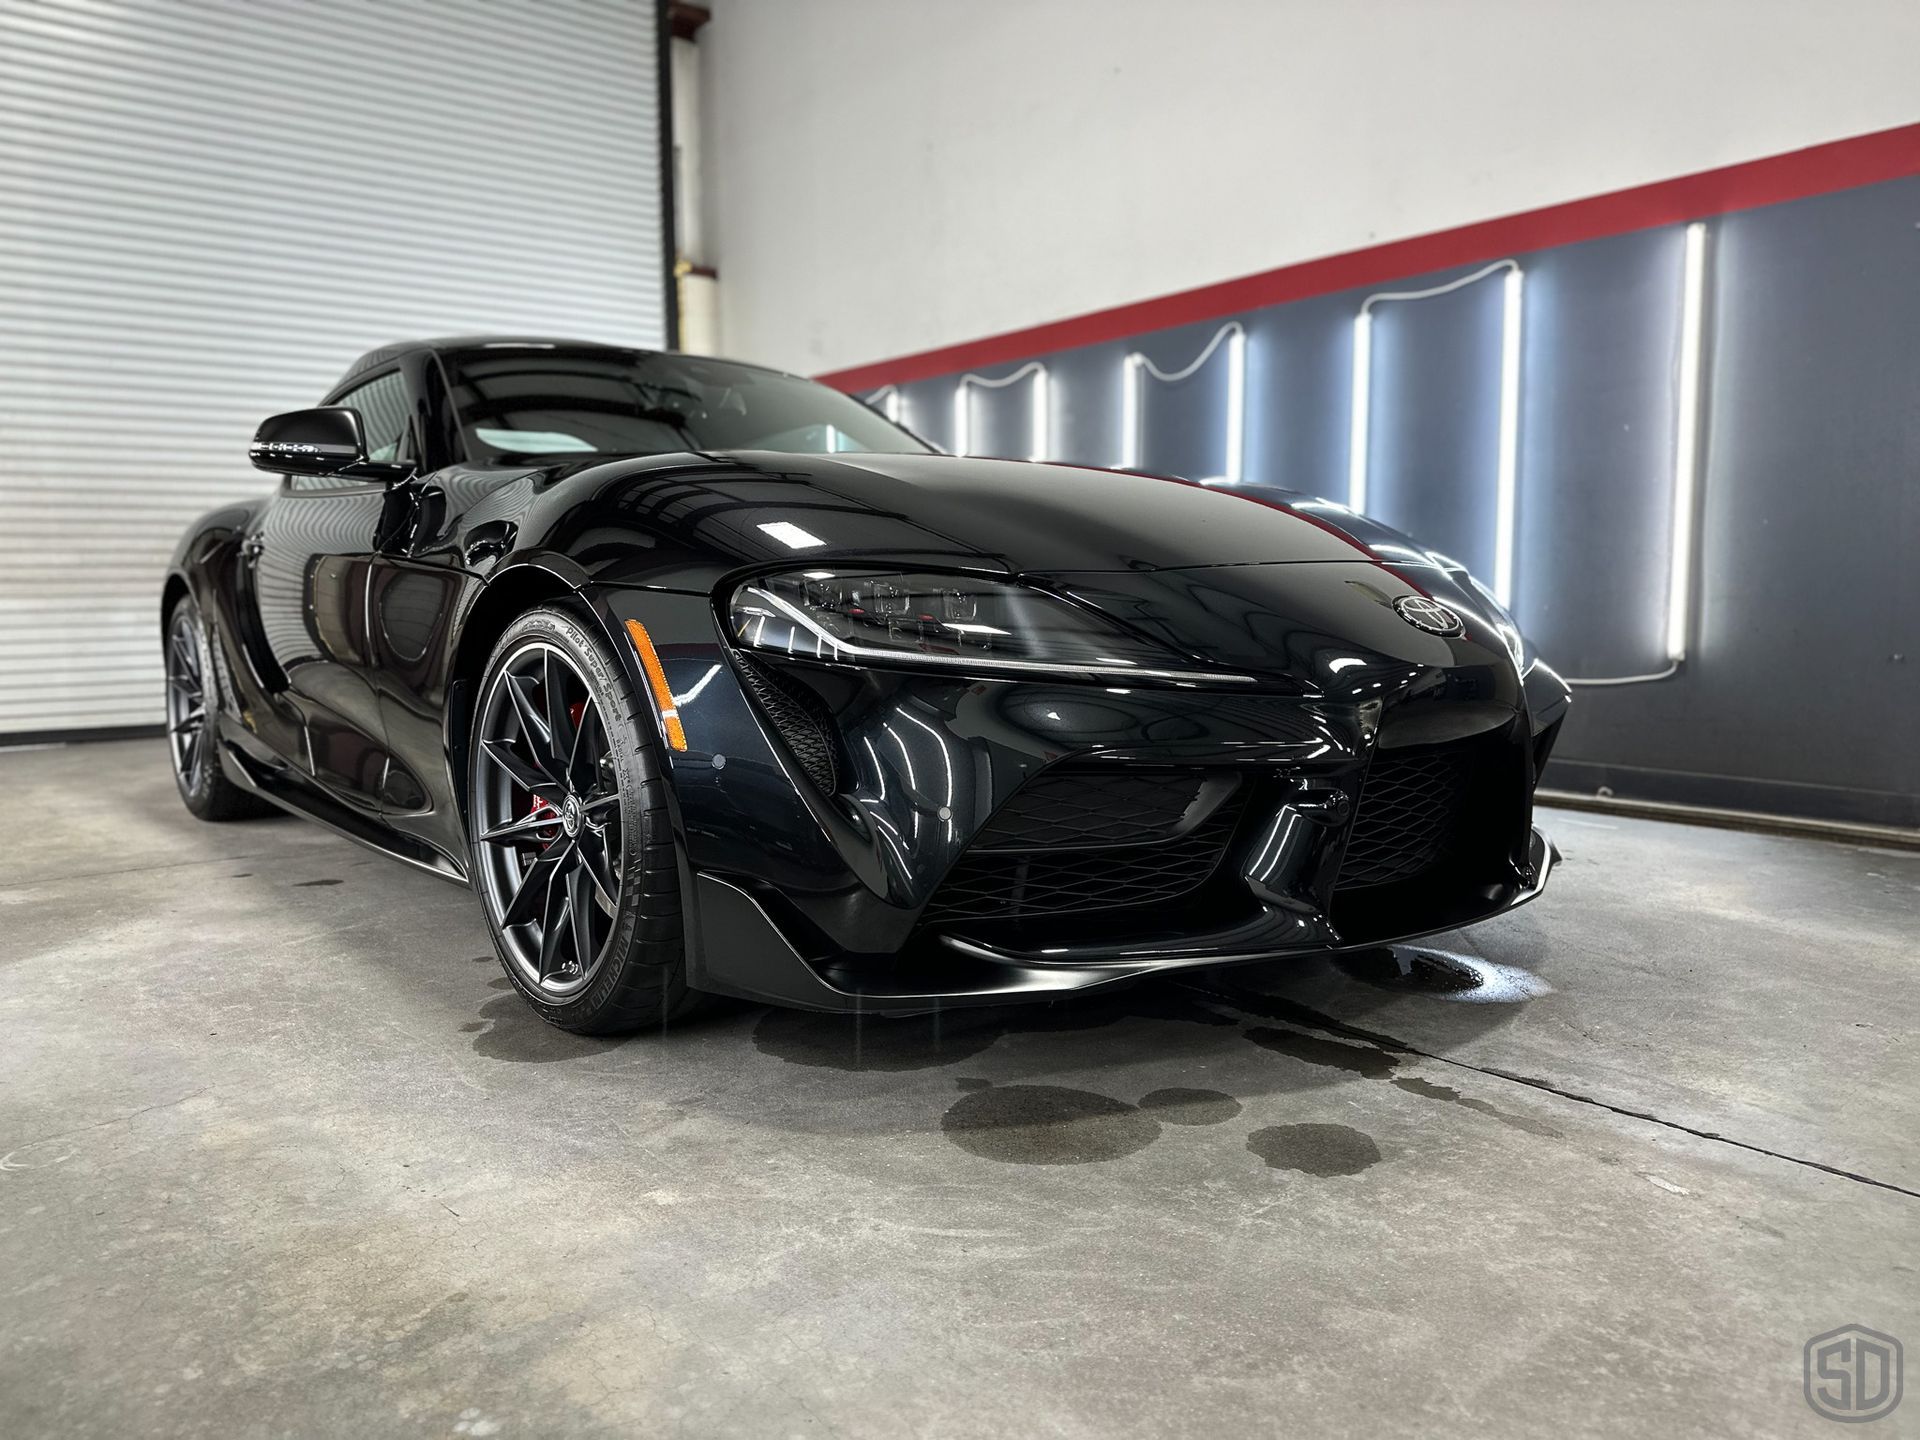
(327, 440)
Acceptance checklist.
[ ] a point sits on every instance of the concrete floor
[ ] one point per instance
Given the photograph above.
(279, 1154)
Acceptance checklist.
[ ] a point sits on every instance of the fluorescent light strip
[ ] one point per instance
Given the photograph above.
(889, 400)
(1042, 403)
(1130, 412)
(1686, 442)
(1039, 419)
(962, 420)
(1361, 400)
(1358, 410)
(1506, 491)
(1236, 406)
(1136, 364)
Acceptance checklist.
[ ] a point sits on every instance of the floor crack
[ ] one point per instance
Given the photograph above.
(1273, 1008)
(111, 1120)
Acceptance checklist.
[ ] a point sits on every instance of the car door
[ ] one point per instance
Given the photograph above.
(309, 565)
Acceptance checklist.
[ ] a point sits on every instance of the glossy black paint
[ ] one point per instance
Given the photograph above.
(350, 622)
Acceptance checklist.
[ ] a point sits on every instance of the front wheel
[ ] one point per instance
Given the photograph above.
(571, 844)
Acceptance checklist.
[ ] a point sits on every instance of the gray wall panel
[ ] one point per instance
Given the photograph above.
(1597, 452)
(1435, 414)
(1801, 687)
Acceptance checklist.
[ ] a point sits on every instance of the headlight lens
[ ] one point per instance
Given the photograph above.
(962, 622)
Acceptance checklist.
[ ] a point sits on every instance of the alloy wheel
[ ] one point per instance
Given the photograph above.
(546, 816)
(186, 701)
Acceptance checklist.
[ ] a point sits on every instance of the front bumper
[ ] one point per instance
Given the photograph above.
(826, 895)
(763, 964)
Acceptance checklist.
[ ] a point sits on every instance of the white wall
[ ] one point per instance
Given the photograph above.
(885, 176)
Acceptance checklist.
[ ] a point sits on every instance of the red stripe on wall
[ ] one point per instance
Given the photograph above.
(1817, 170)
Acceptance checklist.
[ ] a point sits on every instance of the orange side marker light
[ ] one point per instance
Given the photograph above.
(657, 682)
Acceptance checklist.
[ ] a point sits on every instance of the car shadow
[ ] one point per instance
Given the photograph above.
(1085, 1078)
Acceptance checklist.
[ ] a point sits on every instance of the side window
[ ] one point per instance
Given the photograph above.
(384, 411)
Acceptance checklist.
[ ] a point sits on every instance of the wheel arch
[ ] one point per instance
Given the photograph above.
(508, 594)
(171, 593)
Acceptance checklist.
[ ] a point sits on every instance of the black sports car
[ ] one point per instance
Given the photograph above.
(711, 679)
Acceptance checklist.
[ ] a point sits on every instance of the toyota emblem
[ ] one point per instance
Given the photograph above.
(1428, 615)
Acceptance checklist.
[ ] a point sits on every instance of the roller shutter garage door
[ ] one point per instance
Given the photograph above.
(208, 208)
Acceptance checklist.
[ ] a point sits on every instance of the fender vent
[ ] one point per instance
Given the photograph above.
(800, 719)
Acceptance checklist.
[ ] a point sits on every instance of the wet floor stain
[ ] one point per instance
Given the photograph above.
(1442, 975)
(1414, 1085)
(1177, 1105)
(1057, 1125)
(311, 884)
(1368, 1060)
(485, 960)
(1322, 1150)
(508, 1029)
(1400, 967)
(1047, 1125)
(241, 875)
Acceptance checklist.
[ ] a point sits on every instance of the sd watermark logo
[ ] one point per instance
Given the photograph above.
(1854, 1374)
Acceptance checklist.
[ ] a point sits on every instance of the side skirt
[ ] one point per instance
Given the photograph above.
(297, 798)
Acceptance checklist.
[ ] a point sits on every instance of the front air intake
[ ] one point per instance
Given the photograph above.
(1076, 841)
(799, 718)
(1412, 816)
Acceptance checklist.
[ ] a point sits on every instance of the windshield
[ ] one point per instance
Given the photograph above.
(532, 401)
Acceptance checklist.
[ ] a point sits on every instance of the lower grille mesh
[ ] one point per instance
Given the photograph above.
(1013, 885)
(1087, 810)
(1413, 810)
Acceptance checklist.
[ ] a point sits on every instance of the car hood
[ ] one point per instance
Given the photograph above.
(705, 515)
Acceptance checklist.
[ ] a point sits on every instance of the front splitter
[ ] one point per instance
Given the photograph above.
(739, 950)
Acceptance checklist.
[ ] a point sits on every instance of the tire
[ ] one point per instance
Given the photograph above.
(571, 844)
(203, 786)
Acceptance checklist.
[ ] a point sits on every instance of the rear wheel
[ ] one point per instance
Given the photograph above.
(190, 740)
(572, 846)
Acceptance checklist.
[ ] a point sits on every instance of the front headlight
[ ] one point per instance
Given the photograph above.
(958, 622)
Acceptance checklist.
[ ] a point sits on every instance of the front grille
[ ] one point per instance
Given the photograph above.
(1022, 884)
(1413, 812)
(1100, 810)
(799, 717)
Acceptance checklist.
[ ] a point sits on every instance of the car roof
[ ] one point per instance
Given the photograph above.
(387, 354)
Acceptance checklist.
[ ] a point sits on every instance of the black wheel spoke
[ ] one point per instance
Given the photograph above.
(580, 912)
(532, 892)
(583, 763)
(534, 734)
(553, 925)
(593, 860)
(560, 738)
(526, 776)
(517, 832)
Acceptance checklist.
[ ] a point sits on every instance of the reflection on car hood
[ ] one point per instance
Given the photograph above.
(706, 514)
